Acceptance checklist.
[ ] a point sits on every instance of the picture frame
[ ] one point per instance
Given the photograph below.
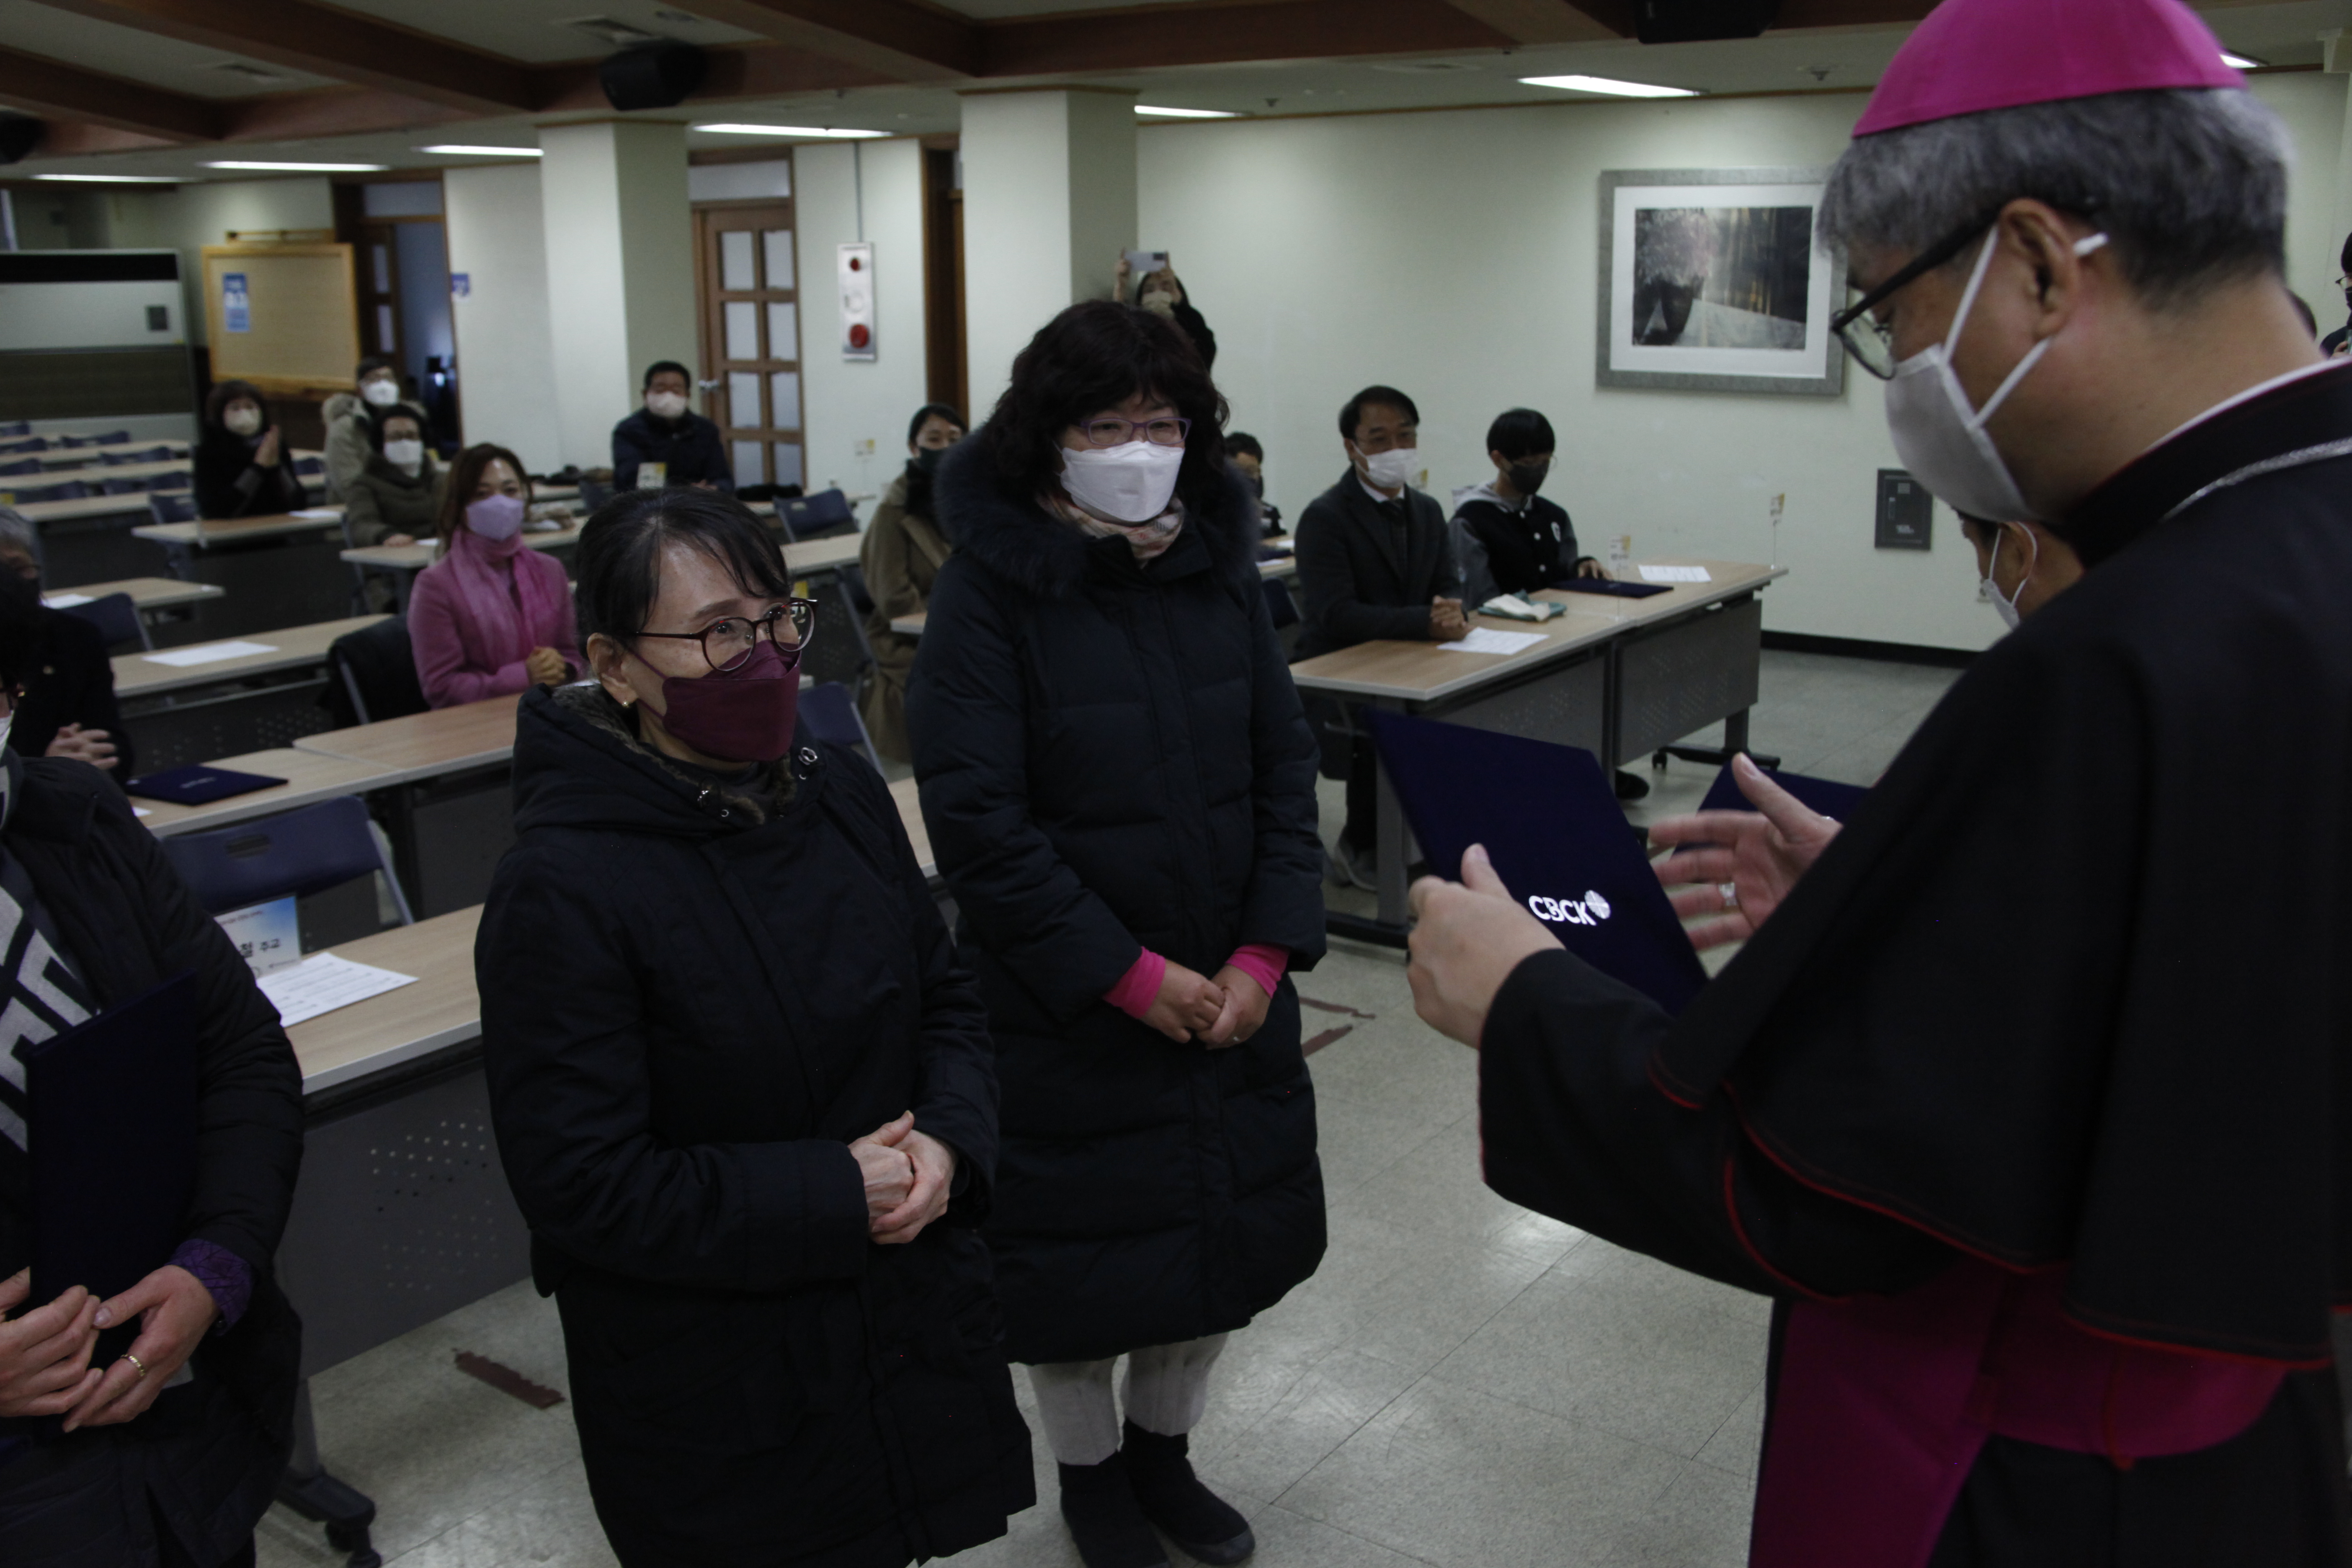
(1710, 281)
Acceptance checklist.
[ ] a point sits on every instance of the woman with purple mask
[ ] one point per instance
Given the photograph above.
(489, 617)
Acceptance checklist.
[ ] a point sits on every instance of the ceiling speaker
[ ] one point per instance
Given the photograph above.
(19, 134)
(652, 76)
(1694, 21)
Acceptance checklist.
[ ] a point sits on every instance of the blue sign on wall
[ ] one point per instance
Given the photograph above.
(461, 284)
(236, 310)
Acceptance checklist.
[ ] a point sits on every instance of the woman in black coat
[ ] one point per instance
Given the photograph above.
(1120, 789)
(742, 1088)
(243, 466)
(154, 1467)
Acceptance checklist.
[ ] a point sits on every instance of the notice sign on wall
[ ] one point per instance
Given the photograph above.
(855, 272)
(236, 305)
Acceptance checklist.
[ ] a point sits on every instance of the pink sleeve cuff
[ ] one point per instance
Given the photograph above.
(1262, 962)
(1140, 986)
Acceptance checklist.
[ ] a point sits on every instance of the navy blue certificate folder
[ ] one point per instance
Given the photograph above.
(1610, 585)
(111, 1112)
(1825, 796)
(1550, 819)
(197, 785)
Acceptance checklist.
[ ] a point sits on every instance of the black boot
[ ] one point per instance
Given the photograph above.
(1193, 1516)
(1099, 1506)
(1630, 786)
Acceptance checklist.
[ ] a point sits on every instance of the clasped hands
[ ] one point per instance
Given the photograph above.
(1218, 1013)
(1740, 864)
(44, 1354)
(909, 1175)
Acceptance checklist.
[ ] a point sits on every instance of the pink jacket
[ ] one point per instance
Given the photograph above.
(472, 624)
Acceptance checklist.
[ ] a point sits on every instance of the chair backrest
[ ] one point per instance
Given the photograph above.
(72, 489)
(815, 517)
(373, 674)
(116, 617)
(181, 508)
(17, 427)
(149, 454)
(1278, 601)
(107, 440)
(307, 467)
(29, 466)
(126, 487)
(853, 581)
(295, 853)
(29, 444)
(828, 713)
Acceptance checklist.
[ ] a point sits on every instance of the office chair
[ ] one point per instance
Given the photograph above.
(309, 467)
(118, 620)
(296, 853)
(17, 427)
(827, 713)
(136, 484)
(819, 516)
(72, 489)
(150, 455)
(28, 466)
(372, 676)
(114, 438)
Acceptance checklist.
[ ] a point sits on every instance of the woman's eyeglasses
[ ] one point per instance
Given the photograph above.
(1120, 432)
(727, 643)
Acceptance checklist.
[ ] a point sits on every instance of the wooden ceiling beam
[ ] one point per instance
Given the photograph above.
(1554, 21)
(333, 42)
(1849, 12)
(901, 41)
(53, 89)
(1153, 37)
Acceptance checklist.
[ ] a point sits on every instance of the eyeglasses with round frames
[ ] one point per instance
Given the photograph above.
(727, 643)
(1120, 432)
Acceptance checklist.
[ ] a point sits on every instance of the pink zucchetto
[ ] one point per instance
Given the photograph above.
(1969, 56)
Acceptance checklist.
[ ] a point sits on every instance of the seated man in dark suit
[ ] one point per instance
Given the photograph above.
(67, 707)
(1374, 562)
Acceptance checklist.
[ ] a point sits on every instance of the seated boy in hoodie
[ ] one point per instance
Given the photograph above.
(1510, 539)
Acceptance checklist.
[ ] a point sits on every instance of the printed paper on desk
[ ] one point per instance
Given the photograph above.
(66, 601)
(322, 983)
(1486, 639)
(210, 653)
(317, 513)
(1675, 574)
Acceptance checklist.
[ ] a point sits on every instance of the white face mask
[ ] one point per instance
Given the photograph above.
(1158, 303)
(1940, 439)
(243, 421)
(407, 456)
(2006, 607)
(380, 393)
(664, 405)
(1130, 483)
(1394, 469)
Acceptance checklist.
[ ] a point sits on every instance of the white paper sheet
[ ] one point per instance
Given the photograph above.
(210, 653)
(317, 513)
(322, 983)
(1486, 639)
(1675, 574)
(67, 601)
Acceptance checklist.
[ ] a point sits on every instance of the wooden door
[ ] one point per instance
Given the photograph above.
(946, 377)
(376, 260)
(750, 298)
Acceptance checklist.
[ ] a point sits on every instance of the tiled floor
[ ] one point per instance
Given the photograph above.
(1463, 1382)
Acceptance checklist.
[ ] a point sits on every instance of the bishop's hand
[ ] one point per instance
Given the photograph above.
(1740, 865)
(1466, 939)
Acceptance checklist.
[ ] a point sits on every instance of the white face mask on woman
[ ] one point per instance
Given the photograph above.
(380, 393)
(1942, 440)
(243, 421)
(1130, 483)
(406, 455)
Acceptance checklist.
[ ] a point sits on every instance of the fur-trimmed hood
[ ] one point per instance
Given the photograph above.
(1017, 542)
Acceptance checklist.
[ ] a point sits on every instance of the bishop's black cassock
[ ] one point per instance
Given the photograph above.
(2027, 1105)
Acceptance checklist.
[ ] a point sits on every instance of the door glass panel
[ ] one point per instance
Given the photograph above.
(383, 268)
(746, 463)
(743, 398)
(385, 341)
(778, 244)
(742, 330)
(735, 268)
(783, 331)
(784, 399)
(788, 463)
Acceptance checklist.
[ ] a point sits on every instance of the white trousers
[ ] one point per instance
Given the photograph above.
(1167, 1392)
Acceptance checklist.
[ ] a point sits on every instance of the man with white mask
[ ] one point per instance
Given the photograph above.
(664, 442)
(1374, 562)
(350, 419)
(2025, 1099)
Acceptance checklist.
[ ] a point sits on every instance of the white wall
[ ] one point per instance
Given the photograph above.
(189, 217)
(856, 411)
(1453, 255)
(506, 354)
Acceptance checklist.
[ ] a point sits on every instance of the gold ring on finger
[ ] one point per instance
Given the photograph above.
(136, 1364)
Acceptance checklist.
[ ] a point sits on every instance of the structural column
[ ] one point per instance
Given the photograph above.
(620, 270)
(1048, 204)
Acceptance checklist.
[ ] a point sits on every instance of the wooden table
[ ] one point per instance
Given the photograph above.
(402, 562)
(146, 593)
(426, 745)
(1618, 677)
(911, 626)
(213, 534)
(69, 458)
(310, 779)
(84, 465)
(815, 557)
(130, 503)
(140, 674)
(441, 1009)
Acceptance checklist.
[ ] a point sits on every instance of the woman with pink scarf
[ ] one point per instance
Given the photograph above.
(489, 617)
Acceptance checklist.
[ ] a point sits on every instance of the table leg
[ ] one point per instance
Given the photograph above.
(1735, 731)
(1389, 852)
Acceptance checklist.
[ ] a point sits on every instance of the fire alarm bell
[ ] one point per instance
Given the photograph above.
(855, 272)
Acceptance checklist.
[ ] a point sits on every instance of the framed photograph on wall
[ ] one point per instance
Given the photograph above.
(1711, 281)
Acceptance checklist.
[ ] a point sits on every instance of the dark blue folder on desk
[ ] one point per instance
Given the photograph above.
(1550, 819)
(1827, 796)
(111, 1112)
(199, 784)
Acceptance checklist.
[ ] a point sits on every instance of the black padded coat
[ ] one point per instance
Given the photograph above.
(691, 1003)
(1112, 757)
